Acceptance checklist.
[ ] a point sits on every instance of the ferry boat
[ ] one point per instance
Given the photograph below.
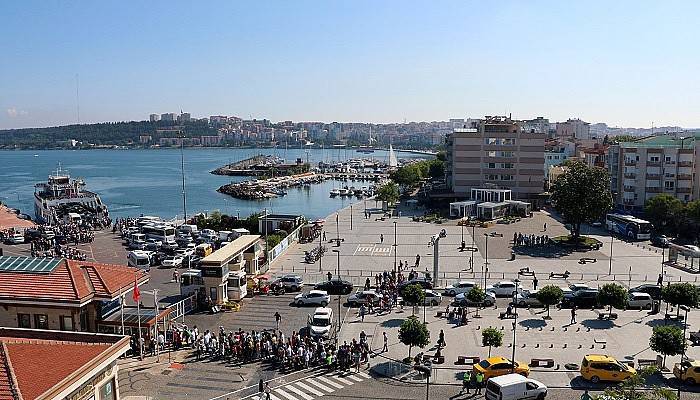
(64, 199)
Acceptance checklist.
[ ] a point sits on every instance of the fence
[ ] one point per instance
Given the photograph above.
(281, 247)
(183, 307)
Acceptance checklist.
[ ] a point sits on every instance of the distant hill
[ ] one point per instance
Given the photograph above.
(107, 133)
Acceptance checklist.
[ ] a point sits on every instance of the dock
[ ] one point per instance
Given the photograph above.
(10, 219)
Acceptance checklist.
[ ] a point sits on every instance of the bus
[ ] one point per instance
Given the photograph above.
(628, 226)
(162, 232)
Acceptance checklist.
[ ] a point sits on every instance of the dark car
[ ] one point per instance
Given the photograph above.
(660, 241)
(335, 286)
(584, 298)
(652, 290)
(422, 282)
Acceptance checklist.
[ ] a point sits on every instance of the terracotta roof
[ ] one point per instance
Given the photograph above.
(70, 281)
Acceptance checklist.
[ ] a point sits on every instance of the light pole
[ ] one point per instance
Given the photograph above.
(663, 256)
(685, 325)
(612, 237)
(486, 262)
(320, 253)
(350, 216)
(395, 247)
(339, 295)
(471, 257)
(462, 236)
(515, 322)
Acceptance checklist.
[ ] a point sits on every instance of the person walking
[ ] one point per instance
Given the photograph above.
(261, 387)
(267, 391)
(466, 381)
(586, 396)
(329, 275)
(534, 282)
(479, 381)
(386, 343)
(545, 227)
(441, 339)
(573, 315)
(660, 281)
(381, 238)
(362, 313)
(278, 318)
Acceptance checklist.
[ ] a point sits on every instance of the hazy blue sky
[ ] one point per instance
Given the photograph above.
(626, 63)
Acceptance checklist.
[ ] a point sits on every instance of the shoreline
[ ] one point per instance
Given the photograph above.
(427, 153)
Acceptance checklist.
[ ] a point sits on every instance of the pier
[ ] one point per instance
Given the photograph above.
(261, 165)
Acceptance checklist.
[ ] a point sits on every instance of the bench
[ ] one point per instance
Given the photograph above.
(542, 362)
(646, 362)
(505, 315)
(468, 360)
(607, 316)
(672, 317)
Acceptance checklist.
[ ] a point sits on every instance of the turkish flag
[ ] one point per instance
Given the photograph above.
(137, 292)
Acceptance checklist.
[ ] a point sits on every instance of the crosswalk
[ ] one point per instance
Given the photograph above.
(314, 386)
(373, 250)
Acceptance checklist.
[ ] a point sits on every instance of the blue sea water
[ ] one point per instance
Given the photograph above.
(148, 182)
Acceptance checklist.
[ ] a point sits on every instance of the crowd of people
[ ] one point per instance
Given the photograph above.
(529, 240)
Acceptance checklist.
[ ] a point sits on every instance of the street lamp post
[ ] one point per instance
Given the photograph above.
(350, 216)
(515, 322)
(685, 325)
(320, 253)
(612, 238)
(471, 257)
(339, 295)
(462, 236)
(395, 247)
(486, 262)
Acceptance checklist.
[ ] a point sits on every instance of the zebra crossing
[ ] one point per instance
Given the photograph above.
(373, 250)
(313, 387)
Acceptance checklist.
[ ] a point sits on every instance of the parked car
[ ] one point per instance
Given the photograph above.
(461, 300)
(687, 371)
(653, 290)
(15, 238)
(459, 287)
(639, 300)
(503, 289)
(169, 245)
(660, 241)
(514, 387)
(364, 297)
(694, 249)
(291, 283)
(317, 297)
(597, 367)
(497, 366)
(584, 298)
(153, 244)
(527, 298)
(172, 261)
(432, 298)
(422, 282)
(335, 286)
(321, 324)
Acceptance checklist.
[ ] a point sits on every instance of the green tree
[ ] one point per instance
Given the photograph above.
(636, 387)
(406, 176)
(436, 169)
(549, 295)
(477, 296)
(613, 295)
(413, 295)
(664, 211)
(667, 340)
(388, 193)
(681, 294)
(491, 337)
(273, 240)
(413, 333)
(582, 194)
(441, 155)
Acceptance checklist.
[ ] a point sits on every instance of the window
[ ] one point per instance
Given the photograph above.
(508, 142)
(213, 294)
(492, 154)
(507, 177)
(507, 165)
(24, 321)
(107, 391)
(530, 386)
(506, 154)
(41, 321)
(668, 159)
(490, 165)
(654, 159)
(668, 184)
(66, 322)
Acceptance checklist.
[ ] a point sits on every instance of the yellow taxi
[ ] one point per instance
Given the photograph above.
(690, 373)
(497, 366)
(598, 367)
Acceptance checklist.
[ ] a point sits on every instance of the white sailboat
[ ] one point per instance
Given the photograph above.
(393, 161)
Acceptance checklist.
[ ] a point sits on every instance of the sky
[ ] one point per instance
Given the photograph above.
(626, 63)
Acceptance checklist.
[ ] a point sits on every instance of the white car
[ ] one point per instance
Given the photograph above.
(639, 300)
(321, 323)
(317, 297)
(172, 261)
(432, 298)
(503, 288)
(364, 297)
(527, 298)
(15, 238)
(459, 287)
(185, 252)
(489, 300)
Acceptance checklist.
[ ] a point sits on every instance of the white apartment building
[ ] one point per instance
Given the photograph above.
(167, 117)
(574, 129)
(154, 117)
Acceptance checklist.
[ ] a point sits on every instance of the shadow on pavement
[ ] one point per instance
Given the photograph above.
(597, 324)
(392, 323)
(533, 323)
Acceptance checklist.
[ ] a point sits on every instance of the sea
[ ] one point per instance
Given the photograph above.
(149, 181)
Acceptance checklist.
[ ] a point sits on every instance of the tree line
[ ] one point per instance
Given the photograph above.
(671, 216)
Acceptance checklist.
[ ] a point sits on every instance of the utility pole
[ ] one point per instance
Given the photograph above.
(395, 247)
(486, 262)
(612, 237)
(339, 295)
(515, 322)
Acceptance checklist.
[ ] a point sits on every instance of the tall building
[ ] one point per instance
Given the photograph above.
(154, 117)
(643, 169)
(496, 153)
(184, 117)
(573, 129)
(167, 117)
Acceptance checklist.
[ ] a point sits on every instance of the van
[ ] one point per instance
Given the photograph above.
(189, 228)
(203, 250)
(139, 259)
(598, 367)
(321, 323)
(514, 387)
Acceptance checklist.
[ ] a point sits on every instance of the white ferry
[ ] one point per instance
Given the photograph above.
(64, 199)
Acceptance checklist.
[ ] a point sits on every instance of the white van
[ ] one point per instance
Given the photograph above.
(139, 259)
(189, 228)
(514, 387)
(321, 323)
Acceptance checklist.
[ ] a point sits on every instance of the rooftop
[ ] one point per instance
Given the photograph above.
(61, 280)
(231, 250)
(662, 141)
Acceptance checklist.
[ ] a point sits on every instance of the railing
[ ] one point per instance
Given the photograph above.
(685, 176)
(278, 250)
(654, 189)
(653, 163)
(685, 163)
(683, 190)
(183, 307)
(630, 176)
(653, 176)
(630, 163)
(629, 188)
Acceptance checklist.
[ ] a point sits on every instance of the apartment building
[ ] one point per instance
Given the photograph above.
(643, 169)
(573, 129)
(496, 152)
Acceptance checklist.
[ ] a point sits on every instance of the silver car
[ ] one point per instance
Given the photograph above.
(315, 297)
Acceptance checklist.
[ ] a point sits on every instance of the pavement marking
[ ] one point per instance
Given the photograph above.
(264, 396)
(330, 382)
(354, 378)
(319, 385)
(299, 392)
(342, 380)
(285, 394)
(363, 248)
(381, 251)
(364, 375)
(309, 388)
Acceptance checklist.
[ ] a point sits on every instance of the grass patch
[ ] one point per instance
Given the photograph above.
(583, 241)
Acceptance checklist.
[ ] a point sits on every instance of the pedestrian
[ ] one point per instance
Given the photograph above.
(586, 396)
(545, 227)
(278, 318)
(441, 339)
(324, 236)
(466, 381)
(261, 386)
(417, 260)
(362, 313)
(386, 343)
(381, 238)
(573, 315)
(329, 275)
(534, 282)
(267, 391)
(479, 381)
(660, 281)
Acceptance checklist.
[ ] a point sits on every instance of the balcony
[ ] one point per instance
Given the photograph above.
(653, 163)
(630, 175)
(630, 163)
(628, 188)
(683, 190)
(685, 163)
(653, 176)
(655, 189)
(685, 177)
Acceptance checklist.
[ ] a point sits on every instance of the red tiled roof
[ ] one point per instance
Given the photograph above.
(70, 281)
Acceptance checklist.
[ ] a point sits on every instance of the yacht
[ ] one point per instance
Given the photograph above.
(335, 192)
(62, 198)
(344, 192)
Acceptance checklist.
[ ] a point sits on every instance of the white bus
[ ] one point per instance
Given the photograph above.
(628, 226)
(162, 232)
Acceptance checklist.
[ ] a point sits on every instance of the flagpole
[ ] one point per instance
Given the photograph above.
(121, 308)
(138, 317)
(155, 300)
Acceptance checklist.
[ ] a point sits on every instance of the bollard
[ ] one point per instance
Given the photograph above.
(552, 329)
(603, 346)
(593, 346)
(510, 344)
(564, 345)
(551, 345)
(578, 329)
(502, 328)
(523, 345)
(588, 329)
(527, 329)
(579, 346)
(478, 327)
(537, 346)
(565, 329)
(540, 328)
